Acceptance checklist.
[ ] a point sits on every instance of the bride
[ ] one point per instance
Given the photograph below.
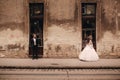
(88, 53)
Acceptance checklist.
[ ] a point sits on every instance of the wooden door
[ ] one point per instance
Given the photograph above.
(88, 22)
(36, 14)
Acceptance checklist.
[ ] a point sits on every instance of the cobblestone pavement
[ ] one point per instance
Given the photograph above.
(59, 74)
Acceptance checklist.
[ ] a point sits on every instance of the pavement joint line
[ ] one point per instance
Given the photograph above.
(11, 67)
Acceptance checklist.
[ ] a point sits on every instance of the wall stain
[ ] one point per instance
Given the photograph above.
(57, 48)
(15, 46)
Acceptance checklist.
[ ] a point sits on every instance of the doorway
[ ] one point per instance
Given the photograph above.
(88, 22)
(36, 14)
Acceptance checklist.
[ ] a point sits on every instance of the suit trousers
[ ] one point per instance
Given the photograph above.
(35, 52)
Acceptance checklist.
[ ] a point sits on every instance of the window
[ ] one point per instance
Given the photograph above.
(88, 22)
(36, 15)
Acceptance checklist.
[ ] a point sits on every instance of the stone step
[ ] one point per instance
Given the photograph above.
(60, 74)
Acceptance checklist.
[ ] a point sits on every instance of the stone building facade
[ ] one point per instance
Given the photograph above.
(62, 28)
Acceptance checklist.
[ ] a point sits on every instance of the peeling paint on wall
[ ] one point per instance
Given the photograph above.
(109, 9)
(63, 40)
(61, 51)
(11, 37)
(109, 44)
(13, 40)
(59, 35)
(62, 35)
(110, 34)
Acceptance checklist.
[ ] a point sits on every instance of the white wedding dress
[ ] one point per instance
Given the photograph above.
(88, 54)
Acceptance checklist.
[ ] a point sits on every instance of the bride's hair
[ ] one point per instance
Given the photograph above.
(87, 40)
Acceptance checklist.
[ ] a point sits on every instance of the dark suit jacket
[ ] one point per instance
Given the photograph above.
(32, 42)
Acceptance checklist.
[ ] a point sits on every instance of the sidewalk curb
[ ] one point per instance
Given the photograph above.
(60, 67)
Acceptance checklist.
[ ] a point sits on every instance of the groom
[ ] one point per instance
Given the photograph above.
(34, 44)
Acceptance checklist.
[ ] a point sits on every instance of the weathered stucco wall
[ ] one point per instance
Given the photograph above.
(109, 43)
(61, 9)
(63, 34)
(12, 38)
(62, 28)
(62, 41)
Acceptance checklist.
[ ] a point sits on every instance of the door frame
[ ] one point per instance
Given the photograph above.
(26, 20)
(98, 19)
(87, 27)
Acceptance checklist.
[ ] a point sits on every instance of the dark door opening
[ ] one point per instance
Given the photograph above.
(36, 14)
(88, 22)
